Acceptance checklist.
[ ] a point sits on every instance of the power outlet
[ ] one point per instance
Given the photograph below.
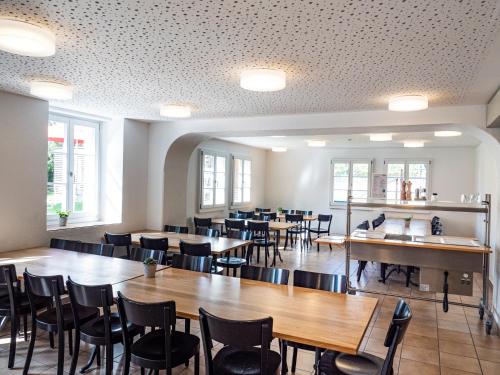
(424, 287)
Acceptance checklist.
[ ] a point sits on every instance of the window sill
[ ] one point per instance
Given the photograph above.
(213, 209)
(56, 227)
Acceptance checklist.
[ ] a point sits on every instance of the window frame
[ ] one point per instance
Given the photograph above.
(213, 206)
(334, 161)
(243, 158)
(70, 122)
(406, 163)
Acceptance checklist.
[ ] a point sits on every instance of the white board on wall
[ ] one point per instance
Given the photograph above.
(379, 185)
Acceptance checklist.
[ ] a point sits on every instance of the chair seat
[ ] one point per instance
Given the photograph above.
(93, 331)
(263, 242)
(150, 348)
(47, 320)
(23, 304)
(297, 230)
(326, 364)
(232, 262)
(363, 363)
(319, 231)
(243, 361)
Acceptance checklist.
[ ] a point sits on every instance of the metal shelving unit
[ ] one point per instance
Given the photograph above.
(483, 208)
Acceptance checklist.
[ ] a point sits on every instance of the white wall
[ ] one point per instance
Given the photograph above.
(258, 157)
(300, 179)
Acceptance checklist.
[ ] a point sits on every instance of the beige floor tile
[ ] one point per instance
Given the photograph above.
(446, 334)
(453, 371)
(378, 333)
(409, 367)
(490, 368)
(420, 354)
(454, 326)
(457, 348)
(420, 341)
(459, 362)
(488, 354)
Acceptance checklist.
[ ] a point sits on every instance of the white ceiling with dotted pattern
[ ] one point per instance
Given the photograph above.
(127, 57)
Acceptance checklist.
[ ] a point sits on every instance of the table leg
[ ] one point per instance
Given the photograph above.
(284, 367)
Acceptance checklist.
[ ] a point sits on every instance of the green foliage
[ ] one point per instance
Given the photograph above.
(63, 213)
(150, 261)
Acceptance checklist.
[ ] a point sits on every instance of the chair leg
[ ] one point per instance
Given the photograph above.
(294, 359)
(266, 250)
(30, 349)
(258, 253)
(25, 325)
(187, 329)
(70, 342)
(51, 340)
(60, 353)
(197, 363)
(98, 355)
(109, 358)
(76, 352)
(286, 241)
(283, 350)
(234, 272)
(14, 326)
(317, 357)
(126, 365)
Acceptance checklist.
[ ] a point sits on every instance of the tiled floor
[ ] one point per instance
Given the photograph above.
(435, 343)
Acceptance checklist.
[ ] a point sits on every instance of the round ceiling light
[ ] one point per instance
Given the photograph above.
(176, 111)
(51, 90)
(407, 103)
(279, 149)
(265, 80)
(316, 143)
(447, 133)
(23, 38)
(413, 144)
(382, 137)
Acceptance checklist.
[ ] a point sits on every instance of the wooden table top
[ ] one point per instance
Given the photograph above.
(336, 240)
(273, 225)
(83, 268)
(328, 320)
(306, 217)
(219, 245)
(444, 243)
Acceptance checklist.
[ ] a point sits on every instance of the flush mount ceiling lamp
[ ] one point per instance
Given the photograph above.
(51, 90)
(414, 144)
(175, 111)
(278, 136)
(316, 143)
(264, 80)
(23, 38)
(408, 103)
(447, 133)
(381, 137)
(279, 149)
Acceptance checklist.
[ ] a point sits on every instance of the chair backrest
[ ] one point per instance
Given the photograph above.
(122, 239)
(287, 211)
(234, 225)
(9, 285)
(395, 334)
(236, 215)
(259, 229)
(192, 263)
(320, 281)
(140, 254)
(305, 213)
(378, 221)
(175, 229)
(209, 232)
(57, 243)
(236, 333)
(294, 218)
(244, 235)
(268, 216)
(195, 248)
(202, 222)
(324, 218)
(270, 275)
(248, 214)
(364, 225)
(154, 243)
(97, 249)
(262, 210)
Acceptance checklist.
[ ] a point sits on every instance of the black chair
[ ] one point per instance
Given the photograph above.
(159, 349)
(378, 221)
(259, 210)
(233, 225)
(198, 249)
(305, 213)
(57, 243)
(175, 229)
(192, 263)
(200, 222)
(236, 215)
(367, 364)
(268, 216)
(365, 225)
(299, 231)
(247, 214)
(96, 249)
(208, 232)
(240, 354)
(121, 240)
(14, 305)
(160, 244)
(269, 275)
(228, 262)
(140, 254)
(53, 320)
(260, 233)
(319, 281)
(319, 231)
(104, 330)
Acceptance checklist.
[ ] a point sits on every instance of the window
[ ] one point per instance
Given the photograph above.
(416, 171)
(351, 175)
(72, 167)
(213, 179)
(242, 180)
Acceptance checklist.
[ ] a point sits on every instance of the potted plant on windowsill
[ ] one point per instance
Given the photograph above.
(149, 267)
(63, 217)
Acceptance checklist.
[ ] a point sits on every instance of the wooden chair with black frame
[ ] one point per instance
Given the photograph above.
(365, 225)
(333, 363)
(175, 229)
(119, 240)
(229, 262)
(202, 222)
(297, 232)
(319, 281)
(261, 238)
(160, 247)
(321, 230)
(269, 275)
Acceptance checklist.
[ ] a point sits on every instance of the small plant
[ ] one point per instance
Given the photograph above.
(63, 214)
(150, 261)
(280, 209)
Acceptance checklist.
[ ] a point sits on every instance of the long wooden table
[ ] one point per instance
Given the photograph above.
(319, 318)
(83, 268)
(335, 240)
